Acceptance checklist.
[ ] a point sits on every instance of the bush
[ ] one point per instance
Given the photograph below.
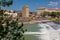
(9, 29)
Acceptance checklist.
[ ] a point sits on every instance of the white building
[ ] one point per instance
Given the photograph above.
(43, 9)
(40, 10)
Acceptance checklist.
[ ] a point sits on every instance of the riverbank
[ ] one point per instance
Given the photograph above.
(55, 19)
(34, 21)
(41, 20)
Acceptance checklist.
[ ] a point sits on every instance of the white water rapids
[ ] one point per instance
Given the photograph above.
(47, 31)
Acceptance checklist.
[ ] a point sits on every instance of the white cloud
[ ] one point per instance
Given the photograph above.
(53, 3)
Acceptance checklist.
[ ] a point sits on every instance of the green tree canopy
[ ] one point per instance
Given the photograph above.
(6, 3)
(9, 29)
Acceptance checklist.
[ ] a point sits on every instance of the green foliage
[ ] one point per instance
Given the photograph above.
(58, 13)
(53, 14)
(6, 3)
(1, 12)
(45, 14)
(58, 19)
(9, 29)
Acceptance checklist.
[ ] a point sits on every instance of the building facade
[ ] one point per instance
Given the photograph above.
(43, 9)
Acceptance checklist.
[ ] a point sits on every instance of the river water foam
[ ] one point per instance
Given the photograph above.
(50, 28)
(43, 31)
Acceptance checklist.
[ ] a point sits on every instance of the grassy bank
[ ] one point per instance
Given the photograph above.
(55, 19)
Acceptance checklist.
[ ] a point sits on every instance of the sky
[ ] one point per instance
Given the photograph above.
(33, 4)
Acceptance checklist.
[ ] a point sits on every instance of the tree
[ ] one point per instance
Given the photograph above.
(6, 3)
(9, 29)
(45, 13)
(53, 14)
(58, 14)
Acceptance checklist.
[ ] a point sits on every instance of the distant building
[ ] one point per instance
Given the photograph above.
(25, 11)
(19, 14)
(40, 10)
(43, 9)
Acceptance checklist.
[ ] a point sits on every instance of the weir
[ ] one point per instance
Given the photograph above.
(33, 33)
(43, 31)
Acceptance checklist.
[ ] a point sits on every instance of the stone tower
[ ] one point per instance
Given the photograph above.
(25, 11)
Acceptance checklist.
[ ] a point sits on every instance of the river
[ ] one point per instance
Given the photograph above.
(39, 27)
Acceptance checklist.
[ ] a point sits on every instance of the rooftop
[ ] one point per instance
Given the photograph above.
(43, 8)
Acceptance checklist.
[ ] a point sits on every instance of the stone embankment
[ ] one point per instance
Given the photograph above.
(35, 21)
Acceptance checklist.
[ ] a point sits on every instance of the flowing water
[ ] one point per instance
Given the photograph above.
(39, 27)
